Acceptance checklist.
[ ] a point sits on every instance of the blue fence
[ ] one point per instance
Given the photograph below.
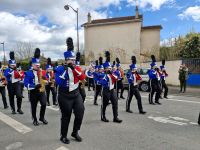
(194, 70)
(193, 80)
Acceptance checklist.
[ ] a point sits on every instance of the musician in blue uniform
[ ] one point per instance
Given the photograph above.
(109, 93)
(69, 97)
(120, 75)
(163, 78)
(133, 77)
(90, 77)
(97, 77)
(14, 88)
(154, 81)
(50, 86)
(35, 81)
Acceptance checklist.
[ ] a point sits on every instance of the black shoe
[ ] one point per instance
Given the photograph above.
(44, 121)
(35, 123)
(117, 120)
(89, 90)
(158, 103)
(64, 140)
(48, 104)
(95, 104)
(55, 104)
(152, 103)
(76, 136)
(20, 111)
(6, 107)
(22, 96)
(166, 97)
(122, 97)
(14, 112)
(104, 119)
(129, 111)
(143, 112)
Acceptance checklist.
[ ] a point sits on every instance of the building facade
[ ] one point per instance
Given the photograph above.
(123, 37)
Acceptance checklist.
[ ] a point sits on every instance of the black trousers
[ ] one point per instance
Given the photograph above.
(68, 102)
(35, 97)
(164, 87)
(14, 89)
(3, 94)
(120, 85)
(109, 95)
(154, 87)
(199, 119)
(183, 85)
(90, 83)
(54, 93)
(22, 87)
(133, 90)
(83, 93)
(98, 89)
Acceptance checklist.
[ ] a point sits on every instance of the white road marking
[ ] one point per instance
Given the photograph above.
(14, 124)
(53, 108)
(166, 120)
(178, 100)
(62, 148)
(178, 118)
(14, 146)
(193, 123)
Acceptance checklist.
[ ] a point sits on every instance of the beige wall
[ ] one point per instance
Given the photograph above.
(150, 42)
(123, 40)
(172, 69)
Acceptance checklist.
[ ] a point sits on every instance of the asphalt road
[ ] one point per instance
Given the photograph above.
(170, 126)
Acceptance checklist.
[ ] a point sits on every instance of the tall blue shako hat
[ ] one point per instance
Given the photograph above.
(78, 57)
(12, 59)
(49, 64)
(107, 62)
(69, 54)
(118, 62)
(133, 66)
(36, 59)
(96, 64)
(163, 65)
(153, 64)
(101, 63)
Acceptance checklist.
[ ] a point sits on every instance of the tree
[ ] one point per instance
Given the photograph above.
(23, 50)
(191, 48)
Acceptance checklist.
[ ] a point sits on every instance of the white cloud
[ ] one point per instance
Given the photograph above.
(164, 19)
(191, 12)
(51, 39)
(153, 4)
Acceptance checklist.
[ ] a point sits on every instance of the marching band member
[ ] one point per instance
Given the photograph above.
(133, 77)
(89, 74)
(163, 78)
(21, 72)
(69, 97)
(108, 93)
(154, 76)
(97, 77)
(50, 86)
(120, 75)
(3, 84)
(14, 88)
(35, 81)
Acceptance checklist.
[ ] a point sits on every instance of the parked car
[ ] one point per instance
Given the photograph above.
(144, 83)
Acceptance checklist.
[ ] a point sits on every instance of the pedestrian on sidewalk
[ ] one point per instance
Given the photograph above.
(183, 76)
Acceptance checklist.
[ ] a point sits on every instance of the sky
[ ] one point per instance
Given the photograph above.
(46, 24)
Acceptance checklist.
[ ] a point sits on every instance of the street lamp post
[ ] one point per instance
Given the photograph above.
(76, 11)
(4, 58)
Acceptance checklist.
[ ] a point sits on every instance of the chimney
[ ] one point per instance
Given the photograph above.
(136, 10)
(89, 18)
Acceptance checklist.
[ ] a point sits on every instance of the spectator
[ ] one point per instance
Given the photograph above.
(183, 76)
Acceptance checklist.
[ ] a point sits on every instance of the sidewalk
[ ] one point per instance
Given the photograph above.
(192, 91)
